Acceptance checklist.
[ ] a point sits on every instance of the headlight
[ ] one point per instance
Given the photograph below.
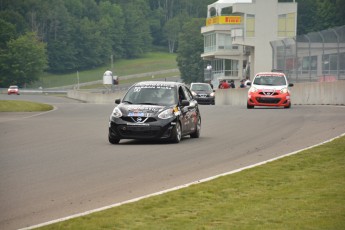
(193, 93)
(117, 112)
(166, 114)
(252, 90)
(284, 90)
(212, 94)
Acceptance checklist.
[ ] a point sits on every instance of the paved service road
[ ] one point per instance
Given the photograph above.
(60, 163)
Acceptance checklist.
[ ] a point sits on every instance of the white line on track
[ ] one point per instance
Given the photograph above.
(176, 188)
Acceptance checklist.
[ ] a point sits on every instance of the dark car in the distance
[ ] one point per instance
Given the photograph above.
(203, 93)
(155, 110)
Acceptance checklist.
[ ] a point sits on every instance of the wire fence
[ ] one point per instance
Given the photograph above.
(313, 57)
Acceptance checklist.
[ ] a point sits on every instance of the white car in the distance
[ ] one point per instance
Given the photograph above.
(13, 89)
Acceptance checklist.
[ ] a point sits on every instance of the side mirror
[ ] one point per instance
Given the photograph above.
(185, 103)
(290, 84)
(249, 83)
(118, 101)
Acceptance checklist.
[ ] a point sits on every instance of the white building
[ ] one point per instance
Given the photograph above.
(237, 36)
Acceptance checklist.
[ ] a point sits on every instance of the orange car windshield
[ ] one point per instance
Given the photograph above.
(270, 80)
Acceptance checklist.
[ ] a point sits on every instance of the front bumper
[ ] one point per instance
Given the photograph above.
(123, 128)
(205, 100)
(257, 99)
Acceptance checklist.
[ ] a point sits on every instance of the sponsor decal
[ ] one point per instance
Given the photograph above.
(223, 20)
(140, 108)
(177, 111)
(152, 86)
(137, 124)
(136, 114)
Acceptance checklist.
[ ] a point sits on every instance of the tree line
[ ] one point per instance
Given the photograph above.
(61, 36)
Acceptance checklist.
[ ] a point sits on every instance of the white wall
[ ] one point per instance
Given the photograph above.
(313, 93)
(325, 93)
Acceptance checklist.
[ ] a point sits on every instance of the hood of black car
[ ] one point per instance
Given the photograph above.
(141, 110)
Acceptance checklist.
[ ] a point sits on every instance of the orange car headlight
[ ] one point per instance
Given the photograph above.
(284, 90)
(252, 90)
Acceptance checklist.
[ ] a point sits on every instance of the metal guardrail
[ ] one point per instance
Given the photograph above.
(313, 57)
(148, 74)
(104, 90)
(37, 91)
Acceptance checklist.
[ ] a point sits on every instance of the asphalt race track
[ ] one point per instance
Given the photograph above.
(60, 163)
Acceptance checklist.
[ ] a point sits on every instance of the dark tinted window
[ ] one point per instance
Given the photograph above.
(270, 80)
(159, 94)
(201, 87)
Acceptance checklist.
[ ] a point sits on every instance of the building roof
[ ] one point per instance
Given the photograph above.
(233, 1)
(226, 3)
(220, 4)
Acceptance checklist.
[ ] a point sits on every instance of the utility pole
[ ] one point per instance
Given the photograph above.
(77, 79)
(112, 61)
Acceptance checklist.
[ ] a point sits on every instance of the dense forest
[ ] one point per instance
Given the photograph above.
(61, 36)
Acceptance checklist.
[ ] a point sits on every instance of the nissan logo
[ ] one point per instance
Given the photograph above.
(139, 119)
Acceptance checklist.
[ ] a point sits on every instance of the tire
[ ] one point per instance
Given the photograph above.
(196, 134)
(113, 140)
(250, 106)
(288, 106)
(176, 134)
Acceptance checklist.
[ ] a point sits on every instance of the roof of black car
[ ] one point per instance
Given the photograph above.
(199, 83)
(159, 83)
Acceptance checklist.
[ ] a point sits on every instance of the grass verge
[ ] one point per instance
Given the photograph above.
(303, 191)
(149, 62)
(161, 77)
(23, 106)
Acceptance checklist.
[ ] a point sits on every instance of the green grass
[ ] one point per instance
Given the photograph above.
(23, 106)
(149, 62)
(303, 191)
(133, 80)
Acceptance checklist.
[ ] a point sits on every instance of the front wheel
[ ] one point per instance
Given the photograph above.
(113, 140)
(176, 133)
(196, 134)
(249, 106)
(288, 106)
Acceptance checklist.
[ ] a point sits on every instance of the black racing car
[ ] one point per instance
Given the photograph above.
(155, 110)
(203, 93)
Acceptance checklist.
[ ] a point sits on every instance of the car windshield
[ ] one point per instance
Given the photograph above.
(269, 80)
(201, 87)
(13, 87)
(151, 95)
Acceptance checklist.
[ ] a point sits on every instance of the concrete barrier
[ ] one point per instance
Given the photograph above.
(323, 93)
(310, 93)
(319, 93)
(98, 98)
(236, 96)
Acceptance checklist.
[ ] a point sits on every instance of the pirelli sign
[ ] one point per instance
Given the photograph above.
(223, 20)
